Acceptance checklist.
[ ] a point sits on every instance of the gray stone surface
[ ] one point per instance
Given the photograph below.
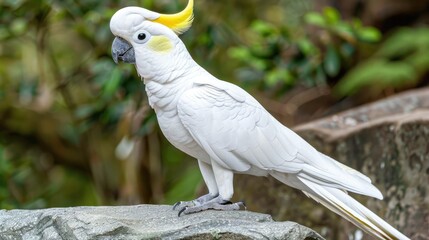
(144, 222)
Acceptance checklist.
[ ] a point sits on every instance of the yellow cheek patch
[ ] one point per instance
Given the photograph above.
(160, 44)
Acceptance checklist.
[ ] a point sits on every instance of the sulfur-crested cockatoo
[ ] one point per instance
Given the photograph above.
(226, 129)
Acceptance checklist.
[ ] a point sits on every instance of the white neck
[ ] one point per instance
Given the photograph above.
(167, 76)
(164, 90)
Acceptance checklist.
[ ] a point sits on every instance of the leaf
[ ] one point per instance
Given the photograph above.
(420, 62)
(263, 28)
(403, 42)
(279, 76)
(258, 64)
(331, 15)
(307, 47)
(345, 31)
(272, 78)
(377, 75)
(18, 26)
(240, 53)
(369, 34)
(332, 62)
(315, 18)
(112, 84)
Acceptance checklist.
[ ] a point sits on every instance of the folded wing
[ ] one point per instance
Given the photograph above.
(239, 134)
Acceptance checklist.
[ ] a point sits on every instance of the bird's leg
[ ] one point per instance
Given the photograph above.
(224, 182)
(209, 179)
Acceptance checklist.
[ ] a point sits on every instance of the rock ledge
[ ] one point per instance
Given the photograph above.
(144, 222)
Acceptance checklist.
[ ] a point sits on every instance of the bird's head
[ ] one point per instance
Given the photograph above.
(149, 39)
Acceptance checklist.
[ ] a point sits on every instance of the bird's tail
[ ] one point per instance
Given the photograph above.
(341, 203)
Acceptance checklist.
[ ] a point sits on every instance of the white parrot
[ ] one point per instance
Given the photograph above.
(226, 129)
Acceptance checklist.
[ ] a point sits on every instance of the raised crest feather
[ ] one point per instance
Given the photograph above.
(178, 22)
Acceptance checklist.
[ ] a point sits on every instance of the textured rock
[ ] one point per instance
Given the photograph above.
(144, 222)
(388, 141)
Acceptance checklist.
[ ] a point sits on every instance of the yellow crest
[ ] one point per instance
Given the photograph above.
(179, 22)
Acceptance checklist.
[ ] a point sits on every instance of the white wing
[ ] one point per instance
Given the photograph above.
(239, 134)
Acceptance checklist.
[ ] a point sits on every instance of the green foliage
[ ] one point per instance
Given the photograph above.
(401, 61)
(30, 183)
(56, 67)
(376, 74)
(353, 31)
(277, 58)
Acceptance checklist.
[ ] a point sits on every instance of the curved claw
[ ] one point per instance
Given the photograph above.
(181, 211)
(177, 204)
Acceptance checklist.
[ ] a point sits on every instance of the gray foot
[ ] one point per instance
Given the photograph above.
(196, 202)
(214, 204)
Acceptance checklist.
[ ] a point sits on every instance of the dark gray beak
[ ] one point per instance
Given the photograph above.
(122, 51)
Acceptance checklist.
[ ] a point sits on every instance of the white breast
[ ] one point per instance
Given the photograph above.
(177, 135)
(163, 99)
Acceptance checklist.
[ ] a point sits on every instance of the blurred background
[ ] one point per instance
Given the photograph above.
(76, 129)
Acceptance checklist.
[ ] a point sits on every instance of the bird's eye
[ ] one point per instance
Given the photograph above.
(141, 36)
